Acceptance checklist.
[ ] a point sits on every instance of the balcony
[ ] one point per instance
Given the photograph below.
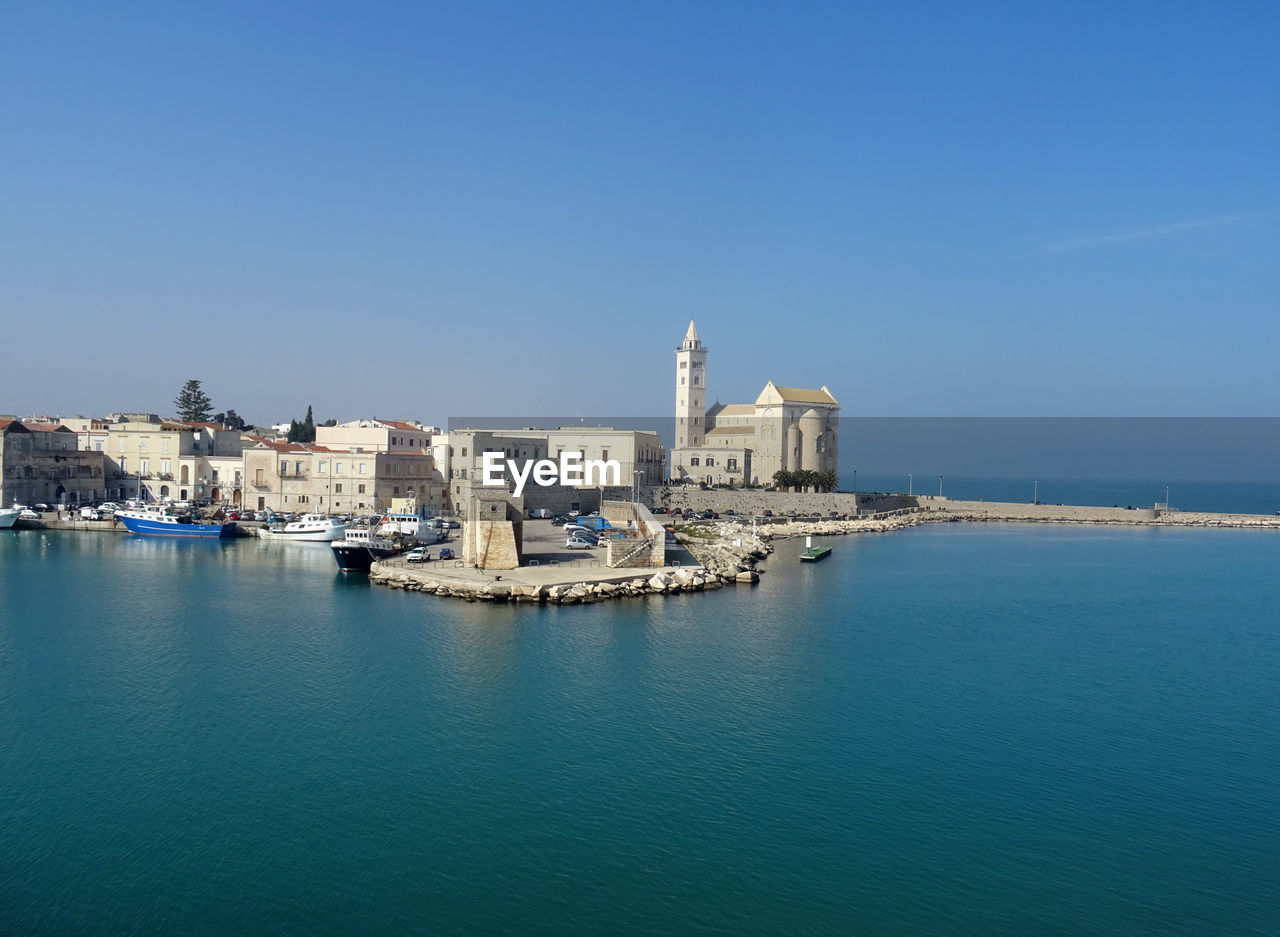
(165, 476)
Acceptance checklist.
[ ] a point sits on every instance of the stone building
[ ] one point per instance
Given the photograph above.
(640, 456)
(789, 428)
(376, 435)
(41, 462)
(284, 476)
(173, 459)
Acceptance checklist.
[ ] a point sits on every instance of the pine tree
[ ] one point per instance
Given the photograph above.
(308, 429)
(193, 404)
(294, 429)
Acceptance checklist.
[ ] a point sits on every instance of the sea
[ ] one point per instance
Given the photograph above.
(950, 730)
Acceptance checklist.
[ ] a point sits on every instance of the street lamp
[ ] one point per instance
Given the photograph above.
(939, 486)
(910, 483)
(1035, 495)
(635, 485)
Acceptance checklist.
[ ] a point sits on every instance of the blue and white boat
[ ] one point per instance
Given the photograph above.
(154, 522)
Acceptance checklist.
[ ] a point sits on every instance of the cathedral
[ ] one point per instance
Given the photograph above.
(790, 428)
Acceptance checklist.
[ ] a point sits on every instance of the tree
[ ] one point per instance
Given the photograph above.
(193, 404)
(330, 422)
(294, 429)
(783, 479)
(234, 420)
(308, 428)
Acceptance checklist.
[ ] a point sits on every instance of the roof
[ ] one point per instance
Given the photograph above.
(293, 446)
(398, 424)
(46, 427)
(732, 430)
(798, 395)
(692, 334)
(732, 409)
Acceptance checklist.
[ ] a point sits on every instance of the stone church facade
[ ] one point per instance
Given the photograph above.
(791, 428)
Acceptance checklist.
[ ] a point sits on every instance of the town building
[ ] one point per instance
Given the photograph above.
(284, 476)
(41, 462)
(376, 435)
(640, 456)
(786, 428)
(154, 459)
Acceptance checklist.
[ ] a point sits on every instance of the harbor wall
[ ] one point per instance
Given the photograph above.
(749, 501)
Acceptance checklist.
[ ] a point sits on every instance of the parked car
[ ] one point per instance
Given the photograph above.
(573, 513)
(446, 553)
(766, 513)
(233, 515)
(43, 508)
(709, 515)
(731, 513)
(539, 513)
(417, 555)
(108, 506)
(559, 520)
(452, 525)
(579, 543)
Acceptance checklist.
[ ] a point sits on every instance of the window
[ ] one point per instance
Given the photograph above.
(124, 463)
(321, 467)
(297, 468)
(683, 365)
(284, 468)
(710, 461)
(694, 461)
(337, 468)
(604, 454)
(695, 380)
(359, 489)
(395, 490)
(144, 466)
(164, 467)
(682, 381)
(732, 465)
(362, 465)
(257, 477)
(464, 452)
(337, 489)
(164, 447)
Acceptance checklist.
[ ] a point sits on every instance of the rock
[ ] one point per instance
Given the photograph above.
(747, 575)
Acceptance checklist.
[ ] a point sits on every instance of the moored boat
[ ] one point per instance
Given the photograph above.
(8, 516)
(310, 527)
(361, 546)
(154, 522)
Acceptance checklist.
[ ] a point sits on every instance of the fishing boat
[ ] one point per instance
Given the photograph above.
(157, 522)
(310, 527)
(361, 546)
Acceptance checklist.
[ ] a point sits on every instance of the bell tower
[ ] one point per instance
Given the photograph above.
(691, 390)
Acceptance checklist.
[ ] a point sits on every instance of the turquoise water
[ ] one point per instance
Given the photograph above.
(951, 730)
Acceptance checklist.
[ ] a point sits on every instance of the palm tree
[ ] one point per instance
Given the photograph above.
(828, 480)
(782, 479)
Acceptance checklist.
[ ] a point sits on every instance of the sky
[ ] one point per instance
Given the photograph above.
(415, 210)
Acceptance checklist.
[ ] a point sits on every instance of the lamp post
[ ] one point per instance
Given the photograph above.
(910, 483)
(939, 486)
(1035, 493)
(635, 485)
(855, 481)
(1166, 497)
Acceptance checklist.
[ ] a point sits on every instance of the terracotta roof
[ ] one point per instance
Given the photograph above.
(407, 427)
(46, 427)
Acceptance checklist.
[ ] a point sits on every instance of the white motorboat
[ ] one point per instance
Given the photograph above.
(8, 516)
(315, 527)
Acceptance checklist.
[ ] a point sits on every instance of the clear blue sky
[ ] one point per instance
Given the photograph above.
(419, 210)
